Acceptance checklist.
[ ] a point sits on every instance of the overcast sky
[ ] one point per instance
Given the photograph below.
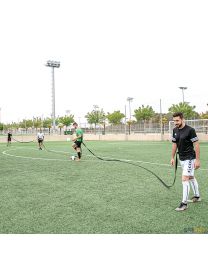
(109, 50)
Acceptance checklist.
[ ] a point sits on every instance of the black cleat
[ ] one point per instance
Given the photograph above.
(195, 199)
(182, 206)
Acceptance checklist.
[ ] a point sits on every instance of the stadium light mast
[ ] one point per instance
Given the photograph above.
(129, 99)
(53, 65)
(96, 107)
(183, 88)
(125, 121)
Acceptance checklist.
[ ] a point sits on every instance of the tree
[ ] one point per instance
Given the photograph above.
(25, 124)
(66, 120)
(29, 123)
(37, 122)
(115, 117)
(47, 123)
(60, 126)
(96, 117)
(144, 113)
(204, 115)
(14, 125)
(1, 127)
(185, 108)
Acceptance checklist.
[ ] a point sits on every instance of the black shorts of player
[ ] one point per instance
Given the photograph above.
(40, 141)
(9, 139)
(78, 144)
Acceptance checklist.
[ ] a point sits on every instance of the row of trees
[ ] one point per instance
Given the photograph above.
(144, 114)
(99, 117)
(39, 123)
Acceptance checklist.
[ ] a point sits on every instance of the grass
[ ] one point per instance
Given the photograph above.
(46, 193)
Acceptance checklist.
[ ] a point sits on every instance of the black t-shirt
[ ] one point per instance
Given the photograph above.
(184, 138)
(9, 135)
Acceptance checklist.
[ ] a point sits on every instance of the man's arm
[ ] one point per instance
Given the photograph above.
(174, 149)
(75, 138)
(197, 151)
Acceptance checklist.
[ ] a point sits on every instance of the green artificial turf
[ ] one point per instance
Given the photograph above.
(44, 192)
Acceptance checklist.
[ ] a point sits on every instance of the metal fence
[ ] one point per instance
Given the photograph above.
(200, 125)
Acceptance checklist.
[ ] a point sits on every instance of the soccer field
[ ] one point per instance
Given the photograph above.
(46, 192)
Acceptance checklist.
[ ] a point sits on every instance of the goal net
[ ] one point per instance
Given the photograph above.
(200, 125)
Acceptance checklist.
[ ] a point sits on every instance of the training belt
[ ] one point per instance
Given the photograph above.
(134, 164)
(22, 141)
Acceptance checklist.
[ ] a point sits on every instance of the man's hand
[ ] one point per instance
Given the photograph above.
(196, 164)
(172, 162)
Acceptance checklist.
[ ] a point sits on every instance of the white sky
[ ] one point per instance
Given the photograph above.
(109, 50)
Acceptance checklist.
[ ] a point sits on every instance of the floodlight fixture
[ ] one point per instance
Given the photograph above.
(130, 99)
(53, 64)
(183, 88)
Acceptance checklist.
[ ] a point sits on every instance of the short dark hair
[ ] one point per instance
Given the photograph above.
(74, 123)
(180, 114)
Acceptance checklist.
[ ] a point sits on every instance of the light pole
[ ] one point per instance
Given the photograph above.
(183, 88)
(53, 64)
(125, 121)
(68, 112)
(96, 111)
(129, 99)
(161, 121)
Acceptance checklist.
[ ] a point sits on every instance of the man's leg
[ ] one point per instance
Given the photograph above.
(79, 152)
(74, 146)
(195, 188)
(186, 186)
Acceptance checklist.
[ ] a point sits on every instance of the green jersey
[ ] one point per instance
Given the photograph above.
(78, 133)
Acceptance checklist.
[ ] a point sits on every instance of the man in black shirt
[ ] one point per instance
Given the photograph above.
(9, 138)
(184, 139)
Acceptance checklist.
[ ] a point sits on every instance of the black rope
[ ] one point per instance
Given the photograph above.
(128, 162)
(134, 164)
(25, 142)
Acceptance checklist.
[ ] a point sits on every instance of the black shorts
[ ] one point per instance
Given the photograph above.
(9, 139)
(40, 141)
(78, 144)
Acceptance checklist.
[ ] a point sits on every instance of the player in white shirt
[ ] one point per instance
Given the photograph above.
(40, 138)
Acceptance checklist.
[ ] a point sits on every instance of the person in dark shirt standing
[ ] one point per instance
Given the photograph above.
(184, 139)
(9, 138)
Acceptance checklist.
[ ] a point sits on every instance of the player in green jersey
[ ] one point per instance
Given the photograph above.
(77, 140)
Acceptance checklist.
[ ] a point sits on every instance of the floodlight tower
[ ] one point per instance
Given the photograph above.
(183, 88)
(129, 99)
(53, 65)
(96, 107)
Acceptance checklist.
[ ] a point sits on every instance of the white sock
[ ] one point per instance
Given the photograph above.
(186, 189)
(195, 187)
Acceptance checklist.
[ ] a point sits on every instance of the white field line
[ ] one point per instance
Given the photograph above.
(55, 159)
(32, 158)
